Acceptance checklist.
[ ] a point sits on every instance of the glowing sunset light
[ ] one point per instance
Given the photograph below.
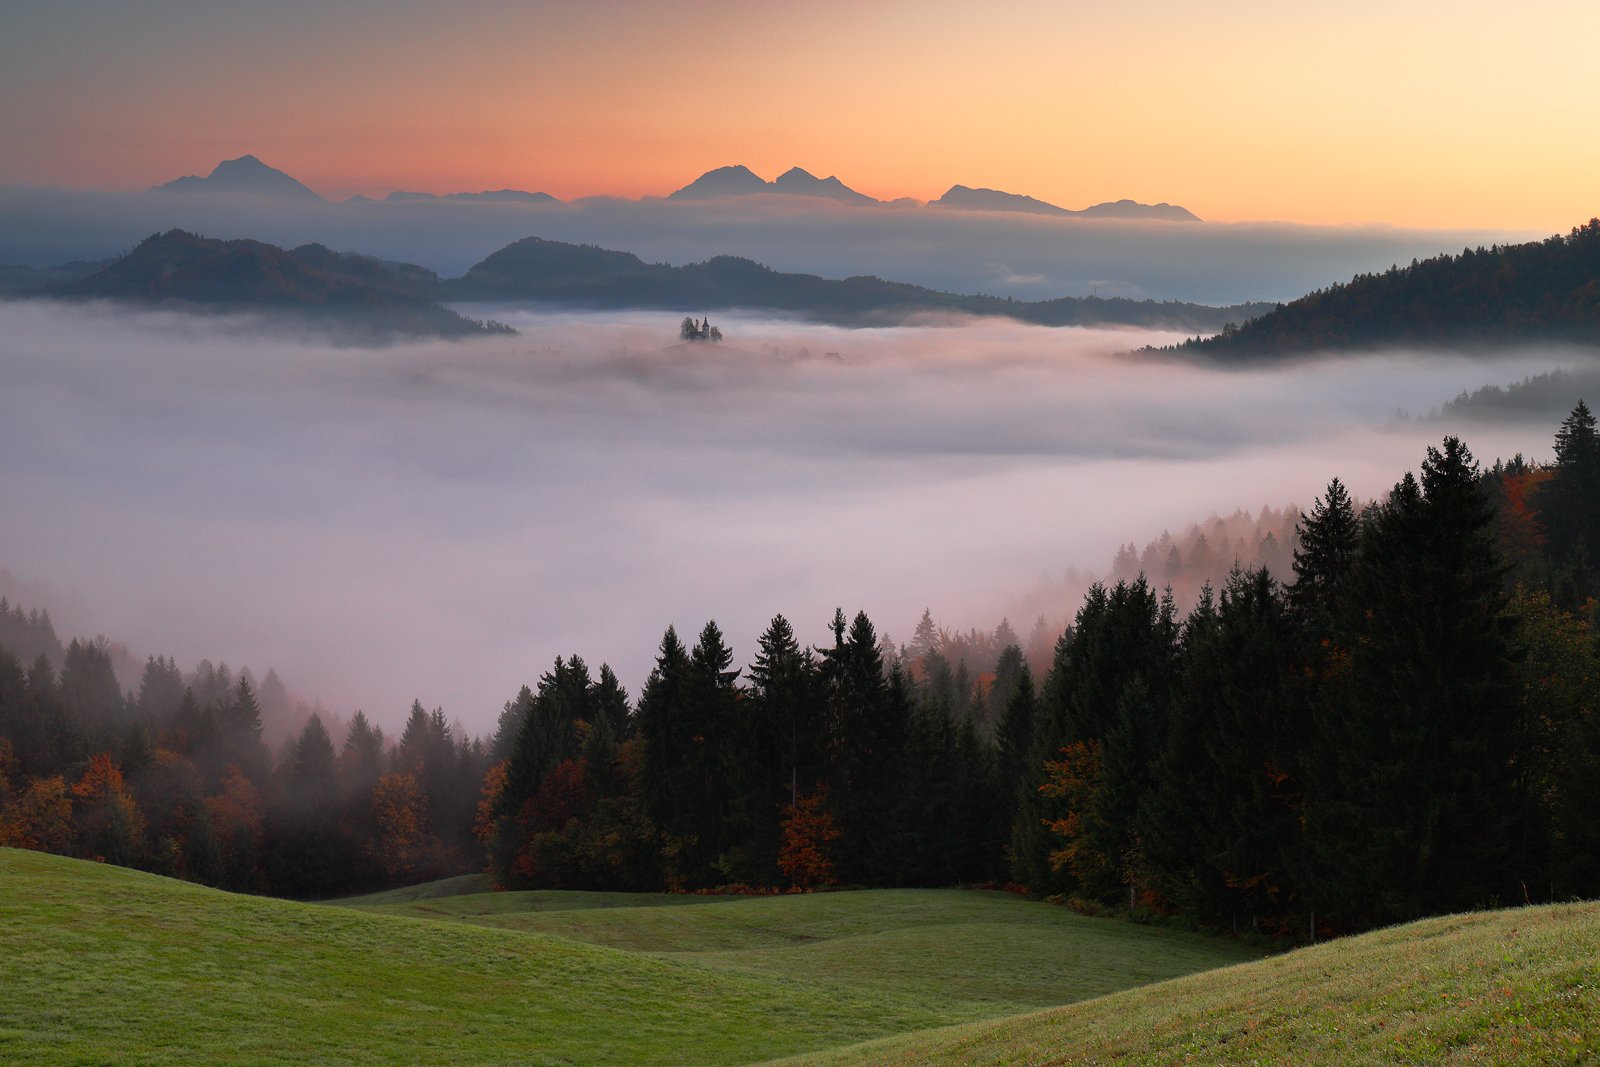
(1418, 114)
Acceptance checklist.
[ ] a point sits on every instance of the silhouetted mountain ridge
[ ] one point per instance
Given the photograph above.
(247, 174)
(963, 198)
(1539, 291)
(739, 180)
(554, 272)
(353, 293)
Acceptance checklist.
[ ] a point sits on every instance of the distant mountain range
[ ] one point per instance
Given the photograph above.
(366, 297)
(1509, 294)
(959, 196)
(248, 175)
(352, 294)
(741, 181)
(569, 275)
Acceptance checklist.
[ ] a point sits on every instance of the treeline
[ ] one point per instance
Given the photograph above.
(1399, 731)
(175, 778)
(1540, 291)
(1408, 726)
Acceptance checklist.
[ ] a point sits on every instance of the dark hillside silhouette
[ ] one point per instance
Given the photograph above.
(346, 291)
(554, 272)
(1507, 294)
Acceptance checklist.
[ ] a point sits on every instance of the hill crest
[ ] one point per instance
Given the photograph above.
(182, 269)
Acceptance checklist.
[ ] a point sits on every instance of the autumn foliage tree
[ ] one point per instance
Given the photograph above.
(401, 811)
(235, 817)
(109, 826)
(37, 815)
(1074, 780)
(806, 857)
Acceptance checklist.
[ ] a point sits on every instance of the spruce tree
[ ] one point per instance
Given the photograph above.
(663, 732)
(1413, 797)
(1569, 506)
(1322, 559)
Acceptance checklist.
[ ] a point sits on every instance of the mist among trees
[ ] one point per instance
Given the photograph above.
(1407, 726)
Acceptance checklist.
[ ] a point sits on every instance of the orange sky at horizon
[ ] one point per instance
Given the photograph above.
(1426, 115)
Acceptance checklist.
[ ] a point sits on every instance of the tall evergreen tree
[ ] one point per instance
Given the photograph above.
(160, 690)
(1569, 507)
(663, 728)
(866, 731)
(611, 703)
(1322, 560)
(1414, 794)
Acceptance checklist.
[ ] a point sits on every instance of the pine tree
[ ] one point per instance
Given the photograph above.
(611, 703)
(239, 729)
(160, 690)
(1221, 824)
(713, 759)
(512, 716)
(1109, 685)
(1569, 505)
(362, 758)
(1327, 544)
(866, 732)
(663, 732)
(1413, 796)
(313, 769)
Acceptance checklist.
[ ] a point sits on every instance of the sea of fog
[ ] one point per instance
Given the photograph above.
(441, 520)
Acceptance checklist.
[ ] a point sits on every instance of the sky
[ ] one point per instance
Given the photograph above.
(1461, 114)
(439, 521)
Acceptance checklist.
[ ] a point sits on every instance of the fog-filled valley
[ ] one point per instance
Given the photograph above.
(1023, 256)
(441, 520)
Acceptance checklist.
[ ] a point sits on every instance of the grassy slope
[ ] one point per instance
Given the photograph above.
(1518, 986)
(975, 954)
(100, 964)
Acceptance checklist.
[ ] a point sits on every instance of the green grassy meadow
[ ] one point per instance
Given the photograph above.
(99, 964)
(104, 965)
(1504, 987)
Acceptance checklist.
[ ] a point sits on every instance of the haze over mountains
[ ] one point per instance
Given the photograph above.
(567, 275)
(966, 199)
(179, 270)
(247, 174)
(1012, 245)
(351, 293)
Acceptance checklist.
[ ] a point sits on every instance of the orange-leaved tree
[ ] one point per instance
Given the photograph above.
(37, 816)
(401, 810)
(110, 827)
(805, 856)
(235, 817)
(1074, 779)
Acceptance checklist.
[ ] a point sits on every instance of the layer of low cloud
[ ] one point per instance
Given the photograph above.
(441, 520)
(1023, 256)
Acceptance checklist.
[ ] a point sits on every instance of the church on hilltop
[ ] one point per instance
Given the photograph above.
(698, 331)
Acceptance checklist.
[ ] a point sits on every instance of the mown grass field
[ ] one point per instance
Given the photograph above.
(973, 954)
(104, 965)
(1504, 987)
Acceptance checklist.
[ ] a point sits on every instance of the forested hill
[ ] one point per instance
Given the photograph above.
(1507, 294)
(572, 275)
(352, 293)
